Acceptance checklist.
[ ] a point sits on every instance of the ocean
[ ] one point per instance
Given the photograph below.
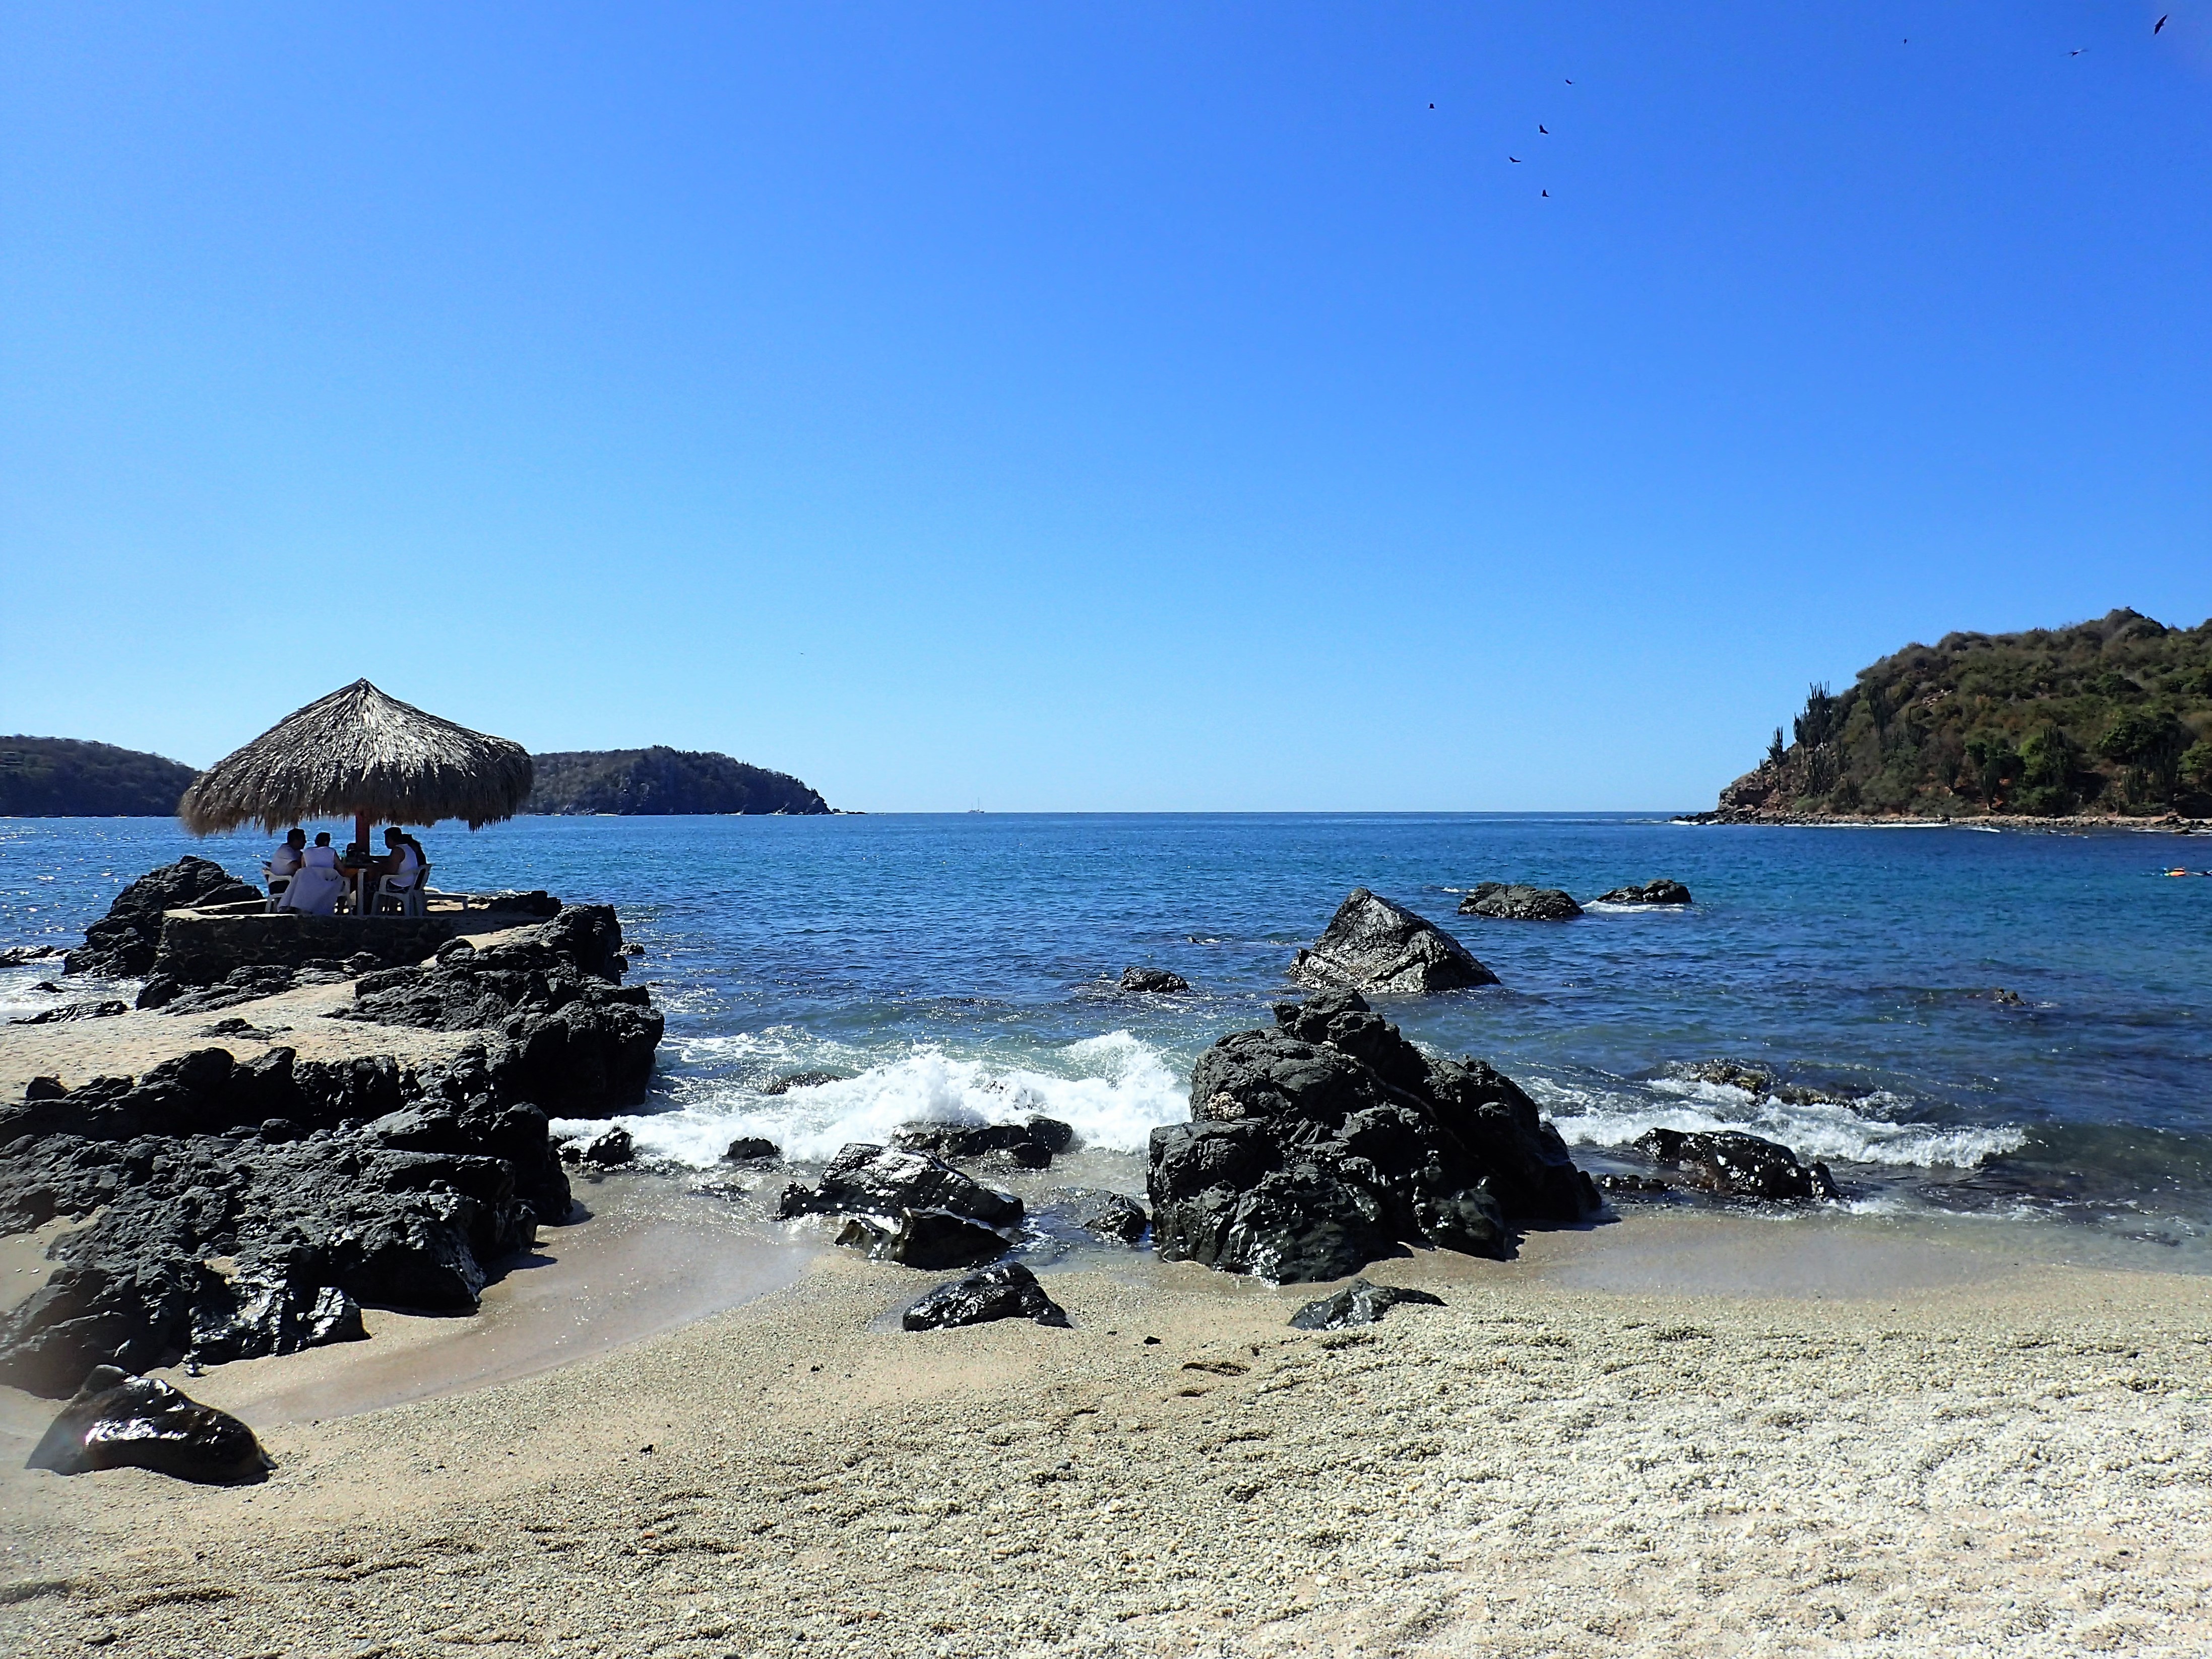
(963, 966)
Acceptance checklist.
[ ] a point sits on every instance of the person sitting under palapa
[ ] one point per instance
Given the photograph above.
(280, 865)
(318, 882)
(400, 869)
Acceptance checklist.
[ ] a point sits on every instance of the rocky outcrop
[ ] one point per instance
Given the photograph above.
(16, 955)
(1662, 891)
(908, 1206)
(124, 943)
(1007, 1291)
(1359, 1303)
(1031, 1143)
(579, 1040)
(751, 1149)
(1317, 1146)
(1503, 902)
(1152, 981)
(117, 1420)
(1372, 945)
(1731, 1165)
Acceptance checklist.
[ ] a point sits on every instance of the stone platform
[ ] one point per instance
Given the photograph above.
(202, 946)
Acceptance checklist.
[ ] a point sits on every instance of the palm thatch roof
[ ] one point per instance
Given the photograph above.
(359, 752)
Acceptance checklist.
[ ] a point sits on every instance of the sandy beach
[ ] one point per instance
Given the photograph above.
(1673, 1434)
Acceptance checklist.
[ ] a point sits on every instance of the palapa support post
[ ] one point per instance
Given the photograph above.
(361, 832)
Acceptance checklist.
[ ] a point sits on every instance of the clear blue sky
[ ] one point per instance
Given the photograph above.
(1090, 407)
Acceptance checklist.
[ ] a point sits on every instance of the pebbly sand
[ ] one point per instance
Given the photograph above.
(1688, 1434)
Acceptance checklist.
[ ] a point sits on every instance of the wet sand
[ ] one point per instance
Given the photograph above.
(1686, 1434)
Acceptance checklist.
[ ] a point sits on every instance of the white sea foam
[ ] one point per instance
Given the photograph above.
(1831, 1131)
(1113, 1089)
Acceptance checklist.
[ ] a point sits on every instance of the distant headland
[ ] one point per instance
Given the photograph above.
(67, 777)
(2109, 721)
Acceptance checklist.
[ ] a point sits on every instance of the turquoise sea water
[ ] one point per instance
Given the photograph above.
(957, 966)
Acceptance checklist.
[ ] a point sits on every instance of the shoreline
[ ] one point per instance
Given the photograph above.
(1778, 1447)
(2168, 825)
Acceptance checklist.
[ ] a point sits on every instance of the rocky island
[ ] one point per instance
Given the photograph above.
(2108, 721)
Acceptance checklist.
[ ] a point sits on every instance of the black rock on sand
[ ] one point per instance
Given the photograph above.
(1321, 1145)
(1007, 1291)
(117, 1420)
(122, 944)
(1372, 945)
(1503, 902)
(1359, 1302)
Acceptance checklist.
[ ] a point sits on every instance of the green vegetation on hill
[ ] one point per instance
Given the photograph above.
(64, 778)
(2107, 716)
(658, 779)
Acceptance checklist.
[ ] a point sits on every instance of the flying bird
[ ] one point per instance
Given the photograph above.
(2077, 52)
(1541, 128)
(1432, 106)
(2160, 24)
(1515, 160)
(1571, 80)
(1547, 193)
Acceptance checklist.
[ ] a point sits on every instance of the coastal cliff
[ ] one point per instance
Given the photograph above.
(2108, 719)
(663, 780)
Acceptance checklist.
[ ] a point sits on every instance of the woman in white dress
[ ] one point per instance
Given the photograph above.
(315, 889)
(280, 865)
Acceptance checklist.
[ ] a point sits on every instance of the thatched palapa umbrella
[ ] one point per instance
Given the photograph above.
(358, 753)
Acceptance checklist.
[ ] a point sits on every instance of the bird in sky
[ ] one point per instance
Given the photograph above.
(1547, 193)
(2160, 24)
(1541, 128)
(2077, 52)
(1432, 106)
(1571, 80)
(1515, 160)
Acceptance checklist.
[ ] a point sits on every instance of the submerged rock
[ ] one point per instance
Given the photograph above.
(1321, 1145)
(1359, 1303)
(751, 1149)
(1372, 945)
(791, 1080)
(16, 955)
(1008, 1290)
(122, 944)
(1731, 1165)
(117, 1420)
(1030, 1144)
(1662, 891)
(1111, 1218)
(1157, 981)
(1503, 902)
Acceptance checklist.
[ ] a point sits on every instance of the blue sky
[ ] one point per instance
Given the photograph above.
(1065, 407)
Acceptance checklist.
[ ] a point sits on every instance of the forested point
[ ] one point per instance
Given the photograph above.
(638, 781)
(2112, 716)
(68, 778)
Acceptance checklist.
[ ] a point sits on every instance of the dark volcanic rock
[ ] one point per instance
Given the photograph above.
(117, 1420)
(1502, 902)
(122, 944)
(751, 1149)
(934, 1239)
(1112, 1218)
(270, 1308)
(1731, 1165)
(246, 984)
(606, 1149)
(884, 1183)
(1008, 1290)
(16, 955)
(105, 1009)
(785, 1085)
(1359, 1303)
(1026, 1145)
(1372, 945)
(1321, 1145)
(1155, 981)
(580, 1040)
(1662, 891)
